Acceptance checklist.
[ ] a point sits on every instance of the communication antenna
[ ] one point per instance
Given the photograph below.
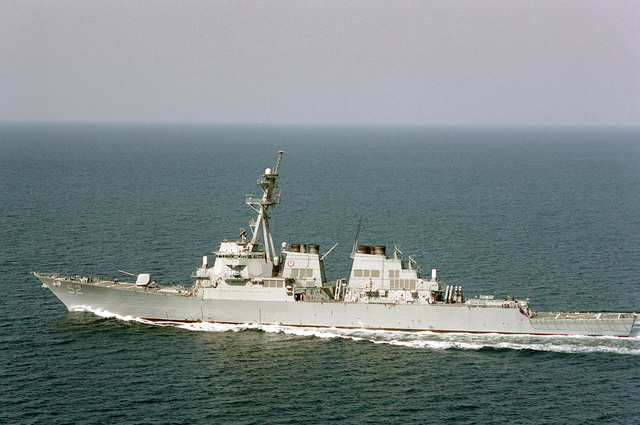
(278, 163)
(355, 243)
(327, 253)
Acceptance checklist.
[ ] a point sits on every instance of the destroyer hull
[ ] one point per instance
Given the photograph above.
(167, 304)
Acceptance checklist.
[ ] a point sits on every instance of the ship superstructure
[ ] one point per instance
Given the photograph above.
(244, 270)
(249, 282)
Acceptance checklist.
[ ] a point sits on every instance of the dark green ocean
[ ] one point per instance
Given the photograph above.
(548, 214)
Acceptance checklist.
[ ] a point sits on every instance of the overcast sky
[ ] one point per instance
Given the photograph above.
(322, 62)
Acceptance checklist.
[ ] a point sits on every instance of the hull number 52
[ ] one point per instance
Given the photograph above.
(74, 289)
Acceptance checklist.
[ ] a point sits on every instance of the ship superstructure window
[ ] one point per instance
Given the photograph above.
(366, 273)
(402, 284)
(302, 273)
(394, 273)
(273, 283)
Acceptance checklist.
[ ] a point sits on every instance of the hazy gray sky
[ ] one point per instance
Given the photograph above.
(326, 62)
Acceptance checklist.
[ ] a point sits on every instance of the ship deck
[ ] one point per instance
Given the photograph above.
(127, 286)
(554, 315)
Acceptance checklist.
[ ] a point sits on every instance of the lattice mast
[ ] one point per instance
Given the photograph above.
(270, 198)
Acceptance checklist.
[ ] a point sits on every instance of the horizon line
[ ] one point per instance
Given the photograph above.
(312, 125)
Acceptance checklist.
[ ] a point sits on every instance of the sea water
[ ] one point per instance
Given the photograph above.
(549, 214)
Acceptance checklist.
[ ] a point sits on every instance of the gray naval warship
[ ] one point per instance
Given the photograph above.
(250, 283)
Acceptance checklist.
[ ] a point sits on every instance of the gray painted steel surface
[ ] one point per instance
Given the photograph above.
(247, 284)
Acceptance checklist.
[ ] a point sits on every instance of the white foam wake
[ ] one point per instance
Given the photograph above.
(108, 315)
(419, 340)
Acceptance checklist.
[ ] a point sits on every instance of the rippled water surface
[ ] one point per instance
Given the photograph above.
(541, 213)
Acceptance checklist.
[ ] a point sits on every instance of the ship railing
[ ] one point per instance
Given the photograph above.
(259, 255)
(584, 315)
